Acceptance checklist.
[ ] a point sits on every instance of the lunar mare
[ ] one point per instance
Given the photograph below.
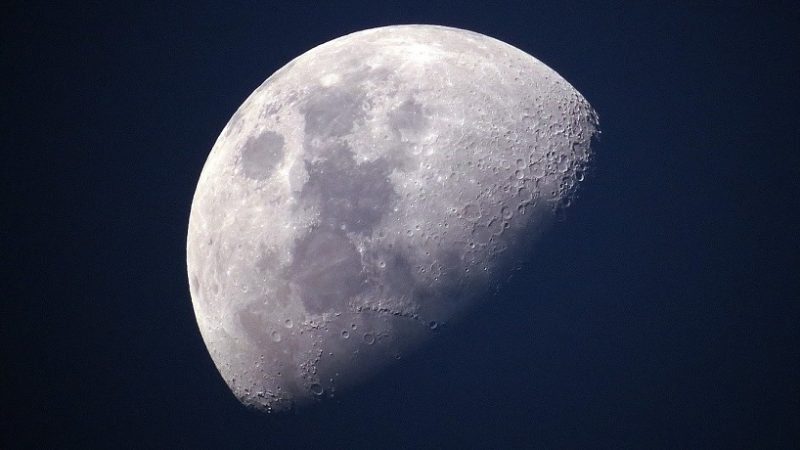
(367, 193)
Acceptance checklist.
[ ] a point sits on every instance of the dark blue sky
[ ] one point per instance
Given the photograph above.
(663, 313)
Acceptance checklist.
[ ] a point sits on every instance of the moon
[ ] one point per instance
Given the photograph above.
(368, 194)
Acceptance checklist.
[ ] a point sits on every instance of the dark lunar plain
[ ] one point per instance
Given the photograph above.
(662, 312)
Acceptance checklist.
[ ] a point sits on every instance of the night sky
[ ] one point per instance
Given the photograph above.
(663, 312)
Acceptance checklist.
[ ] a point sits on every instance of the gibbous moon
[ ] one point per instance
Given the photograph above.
(369, 193)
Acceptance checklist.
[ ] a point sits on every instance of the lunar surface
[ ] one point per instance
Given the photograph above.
(369, 193)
